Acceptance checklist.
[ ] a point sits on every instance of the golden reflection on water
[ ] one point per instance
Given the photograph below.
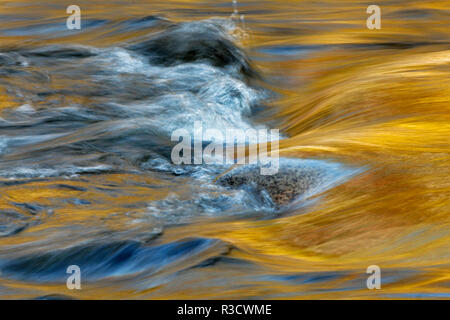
(361, 101)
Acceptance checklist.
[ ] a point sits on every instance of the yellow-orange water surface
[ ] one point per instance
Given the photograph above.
(375, 99)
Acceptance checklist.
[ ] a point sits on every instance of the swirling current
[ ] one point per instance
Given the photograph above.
(87, 178)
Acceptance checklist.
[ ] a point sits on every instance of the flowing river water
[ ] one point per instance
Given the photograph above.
(86, 177)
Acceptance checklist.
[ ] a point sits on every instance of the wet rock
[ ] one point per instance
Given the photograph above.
(292, 180)
(205, 41)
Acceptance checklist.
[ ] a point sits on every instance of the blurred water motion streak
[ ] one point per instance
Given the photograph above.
(372, 99)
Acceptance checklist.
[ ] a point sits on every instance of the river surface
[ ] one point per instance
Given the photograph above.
(86, 176)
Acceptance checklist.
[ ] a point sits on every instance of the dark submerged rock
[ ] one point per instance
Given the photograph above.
(204, 41)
